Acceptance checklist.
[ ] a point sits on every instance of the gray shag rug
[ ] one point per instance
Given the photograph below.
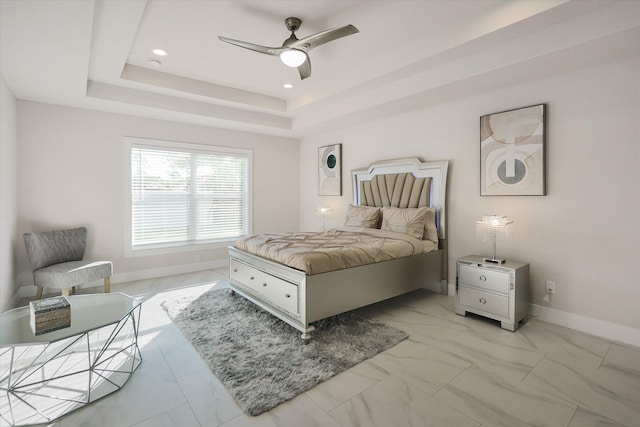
(261, 360)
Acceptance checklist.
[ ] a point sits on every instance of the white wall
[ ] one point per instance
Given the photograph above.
(8, 198)
(72, 173)
(585, 234)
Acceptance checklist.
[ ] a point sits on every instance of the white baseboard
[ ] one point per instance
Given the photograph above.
(168, 271)
(589, 325)
(451, 289)
(578, 322)
(29, 291)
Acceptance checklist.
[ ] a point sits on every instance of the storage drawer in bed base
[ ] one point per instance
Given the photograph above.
(276, 291)
(284, 295)
(293, 320)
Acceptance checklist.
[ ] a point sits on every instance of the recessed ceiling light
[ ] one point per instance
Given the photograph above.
(155, 63)
(159, 52)
(287, 85)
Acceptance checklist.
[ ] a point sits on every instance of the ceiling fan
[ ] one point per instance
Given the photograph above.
(294, 51)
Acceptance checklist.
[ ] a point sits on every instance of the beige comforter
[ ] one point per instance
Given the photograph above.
(319, 252)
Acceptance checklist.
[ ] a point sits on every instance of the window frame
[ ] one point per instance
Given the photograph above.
(132, 142)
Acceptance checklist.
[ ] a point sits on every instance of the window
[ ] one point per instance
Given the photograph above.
(186, 194)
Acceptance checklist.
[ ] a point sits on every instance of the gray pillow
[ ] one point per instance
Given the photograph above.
(362, 216)
(430, 229)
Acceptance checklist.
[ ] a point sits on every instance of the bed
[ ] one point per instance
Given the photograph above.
(301, 294)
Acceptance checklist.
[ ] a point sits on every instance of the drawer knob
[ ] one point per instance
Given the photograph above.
(235, 270)
(264, 284)
(482, 301)
(483, 278)
(287, 296)
(251, 277)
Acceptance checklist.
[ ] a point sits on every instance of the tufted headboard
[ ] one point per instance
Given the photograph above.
(403, 183)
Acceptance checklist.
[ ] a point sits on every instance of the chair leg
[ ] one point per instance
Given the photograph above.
(39, 292)
(107, 285)
(65, 292)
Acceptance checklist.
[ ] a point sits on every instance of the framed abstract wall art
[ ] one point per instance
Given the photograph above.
(512, 152)
(330, 170)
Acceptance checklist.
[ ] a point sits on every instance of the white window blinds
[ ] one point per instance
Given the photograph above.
(183, 196)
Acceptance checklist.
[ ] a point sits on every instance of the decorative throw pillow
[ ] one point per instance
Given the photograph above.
(430, 229)
(362, 216)
(409, 221)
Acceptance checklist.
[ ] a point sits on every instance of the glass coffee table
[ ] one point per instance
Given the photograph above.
(46, 376)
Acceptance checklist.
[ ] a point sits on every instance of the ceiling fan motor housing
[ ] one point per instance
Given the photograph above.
(292, 24)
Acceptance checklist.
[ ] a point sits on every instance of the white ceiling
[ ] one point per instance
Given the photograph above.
(94, 54)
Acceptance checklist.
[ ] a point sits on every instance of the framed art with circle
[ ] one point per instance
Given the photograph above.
(330, 170)
(512, 152)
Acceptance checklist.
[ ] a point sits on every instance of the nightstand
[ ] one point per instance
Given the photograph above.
(496, 291)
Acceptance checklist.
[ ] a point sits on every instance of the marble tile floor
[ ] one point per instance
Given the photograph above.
(452, 371)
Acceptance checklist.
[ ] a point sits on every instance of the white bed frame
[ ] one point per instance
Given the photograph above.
(300, 299)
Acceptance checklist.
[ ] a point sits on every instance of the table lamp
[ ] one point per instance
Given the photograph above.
(494, 228)
(324, 212)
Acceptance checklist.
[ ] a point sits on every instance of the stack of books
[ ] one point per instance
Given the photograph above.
(49, 315)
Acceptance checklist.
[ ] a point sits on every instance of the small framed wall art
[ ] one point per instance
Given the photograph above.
(512, 152)
(330, 170)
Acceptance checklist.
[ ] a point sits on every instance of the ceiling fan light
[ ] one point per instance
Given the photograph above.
(293, 57)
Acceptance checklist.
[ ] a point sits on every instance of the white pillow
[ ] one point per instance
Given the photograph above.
(409, 221)
(363, 216)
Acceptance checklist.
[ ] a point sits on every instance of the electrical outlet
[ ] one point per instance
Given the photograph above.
(551, 287)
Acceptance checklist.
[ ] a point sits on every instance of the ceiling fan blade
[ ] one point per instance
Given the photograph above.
(305, 69)
(275, 51)
(323, 37)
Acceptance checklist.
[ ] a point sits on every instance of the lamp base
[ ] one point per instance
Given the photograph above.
(494, 260)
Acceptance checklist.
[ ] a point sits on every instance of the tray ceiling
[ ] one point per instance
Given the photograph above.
(409, 53)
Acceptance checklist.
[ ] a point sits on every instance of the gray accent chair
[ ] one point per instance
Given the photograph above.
(56, 261)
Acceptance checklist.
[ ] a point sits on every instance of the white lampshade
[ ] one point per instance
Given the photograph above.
(293, 57)
(494, 229)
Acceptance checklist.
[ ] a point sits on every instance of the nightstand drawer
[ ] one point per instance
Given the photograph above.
(497, 281)
(484, 301)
